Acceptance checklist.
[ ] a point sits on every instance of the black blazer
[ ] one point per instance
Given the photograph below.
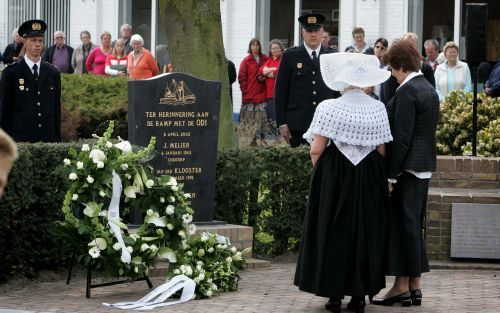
(31, 112)
(299, 88)
(413, 115)
(49, 54)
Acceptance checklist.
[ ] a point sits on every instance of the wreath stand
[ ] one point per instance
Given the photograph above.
(89, 285)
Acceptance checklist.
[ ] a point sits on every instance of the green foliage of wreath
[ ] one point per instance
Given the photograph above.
(167, 223)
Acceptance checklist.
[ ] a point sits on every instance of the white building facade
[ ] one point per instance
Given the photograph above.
(245, 19)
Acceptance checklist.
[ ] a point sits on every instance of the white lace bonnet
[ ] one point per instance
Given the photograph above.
(339, 70)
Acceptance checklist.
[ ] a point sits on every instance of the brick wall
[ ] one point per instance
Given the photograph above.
(457, 180)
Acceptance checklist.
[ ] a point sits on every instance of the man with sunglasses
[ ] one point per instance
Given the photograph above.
(60, 54)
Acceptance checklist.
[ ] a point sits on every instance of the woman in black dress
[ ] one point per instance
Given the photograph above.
(343, 244)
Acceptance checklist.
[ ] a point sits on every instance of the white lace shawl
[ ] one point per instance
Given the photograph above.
(355, 122)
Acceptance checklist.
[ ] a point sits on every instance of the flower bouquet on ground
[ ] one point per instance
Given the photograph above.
(107, 170)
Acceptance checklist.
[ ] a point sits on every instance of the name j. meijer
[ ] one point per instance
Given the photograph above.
(177, 145)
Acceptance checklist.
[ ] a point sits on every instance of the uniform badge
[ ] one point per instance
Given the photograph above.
(21, 81)
(299, 65)
(21, 87)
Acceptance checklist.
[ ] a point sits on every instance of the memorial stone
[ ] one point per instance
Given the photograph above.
(475, 231)
(182, 112)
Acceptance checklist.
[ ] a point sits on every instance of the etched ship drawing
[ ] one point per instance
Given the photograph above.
(177, 94)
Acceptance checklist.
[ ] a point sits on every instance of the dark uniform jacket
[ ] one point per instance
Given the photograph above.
(299, 88)
(49, 55)
(413, 114)
(12, 50)
(31, 112)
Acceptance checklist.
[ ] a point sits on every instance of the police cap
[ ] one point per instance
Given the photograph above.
(311, 21)
(32, 28)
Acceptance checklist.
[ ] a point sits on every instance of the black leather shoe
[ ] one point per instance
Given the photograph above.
(416, 297)
(357, 304)
(333, 305)
(404, 298)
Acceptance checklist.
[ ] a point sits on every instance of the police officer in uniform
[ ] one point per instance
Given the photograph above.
(30, 92)
(299, 87)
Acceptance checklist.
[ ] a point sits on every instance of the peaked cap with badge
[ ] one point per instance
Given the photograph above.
(30, 97)
(299, 86)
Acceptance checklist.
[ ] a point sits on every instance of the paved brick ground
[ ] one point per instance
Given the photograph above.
(261, 291)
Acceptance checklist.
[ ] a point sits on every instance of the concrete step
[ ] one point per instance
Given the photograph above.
(464, 195)
(255, 264)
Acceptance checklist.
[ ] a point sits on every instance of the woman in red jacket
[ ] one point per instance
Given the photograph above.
(253, 125)
(269, 70)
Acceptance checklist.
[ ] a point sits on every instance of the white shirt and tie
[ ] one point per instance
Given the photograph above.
(311, 52)
(31, 65)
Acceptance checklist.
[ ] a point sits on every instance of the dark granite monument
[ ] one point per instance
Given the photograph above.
(182, 112)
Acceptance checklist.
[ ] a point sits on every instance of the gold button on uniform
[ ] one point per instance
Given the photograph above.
(314, 82)
(314, 92)
(39, 114)
(38, 103)
(314, 102)
(314, 72)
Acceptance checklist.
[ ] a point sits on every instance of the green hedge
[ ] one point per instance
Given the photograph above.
(89, 101)
(265, 188)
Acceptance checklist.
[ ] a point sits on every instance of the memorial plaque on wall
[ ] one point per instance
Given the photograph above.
(182, 112)
(475, 231)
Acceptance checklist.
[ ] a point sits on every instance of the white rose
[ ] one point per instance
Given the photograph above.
(229, 259)
(85, 147)
(79, 165)
(109, 144)
(192, 229)
(233, 249)
(117, 246)
(210, 250)
(201, 276)
(97, 155)
(73, 176)
(102, 193)
(200, 263)
(100, 164)
(130, 249)
(162, 199)
(189, 253)
(209, 293)
(196, 280)
(144, 247)
(150, 183)
(172, 182)
(94, 252)
(171, 199)
(170, 209)
(175, 188)
(149, 212)
(124, 146)
(67, 162)
(204, 237)
(201, 253)
(153, 248)
(124, 166)
(74, 197)
(90, 179)
(176, 271)
(182, 234)
(214, 287)
(170, 226)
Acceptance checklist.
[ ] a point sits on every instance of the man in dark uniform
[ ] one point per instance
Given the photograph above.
(299, 87)
(30, 92)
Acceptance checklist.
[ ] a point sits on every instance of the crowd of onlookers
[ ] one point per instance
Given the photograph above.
(125, 56)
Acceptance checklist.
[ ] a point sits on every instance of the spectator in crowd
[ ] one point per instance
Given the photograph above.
(96, 62)
(325, 39)
(431, 47)
(299, 87)
(492, 85)
(390, 86)
(12, 51)
(125, 34)
(269, 69)
(59, 54)
(8, 154)
(141, 63)
(381, 46)
(344, 238)
(116, 62)
(413, 116)
(231, 72)
(30, 104)
(452, 74)
(360, 46)
(82, 52)
(253, 125)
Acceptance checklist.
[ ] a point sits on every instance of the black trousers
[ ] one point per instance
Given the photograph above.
(297, 139)
(407, 254)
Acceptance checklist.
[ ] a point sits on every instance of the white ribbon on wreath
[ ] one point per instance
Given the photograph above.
(114, 216)
(158, 296)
